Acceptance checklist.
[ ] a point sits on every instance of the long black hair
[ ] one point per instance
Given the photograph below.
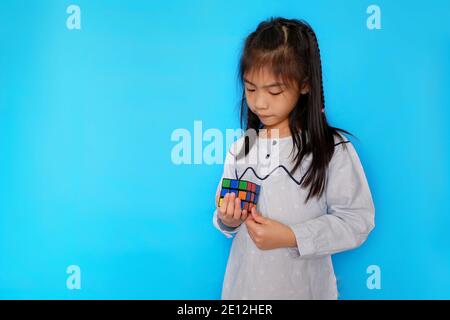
(290, 49)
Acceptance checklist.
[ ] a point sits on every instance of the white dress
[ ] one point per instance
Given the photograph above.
(340, 220)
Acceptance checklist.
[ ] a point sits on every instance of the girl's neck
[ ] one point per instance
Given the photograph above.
(280, 130)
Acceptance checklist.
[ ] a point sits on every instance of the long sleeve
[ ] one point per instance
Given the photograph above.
(228, 172)
(350, 213)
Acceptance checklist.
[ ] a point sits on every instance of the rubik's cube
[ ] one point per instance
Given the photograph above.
(245, 190)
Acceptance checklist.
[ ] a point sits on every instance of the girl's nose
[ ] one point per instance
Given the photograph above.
(260, 103)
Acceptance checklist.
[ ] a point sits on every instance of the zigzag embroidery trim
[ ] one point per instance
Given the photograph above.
(280, 166)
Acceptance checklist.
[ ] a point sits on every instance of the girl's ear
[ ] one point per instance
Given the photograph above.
(305, 88)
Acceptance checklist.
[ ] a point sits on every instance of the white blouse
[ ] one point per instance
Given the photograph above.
(339, 220)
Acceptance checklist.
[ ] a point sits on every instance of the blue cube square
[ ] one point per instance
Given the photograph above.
(223, 192)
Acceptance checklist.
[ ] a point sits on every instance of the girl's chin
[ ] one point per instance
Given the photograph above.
(266, 120)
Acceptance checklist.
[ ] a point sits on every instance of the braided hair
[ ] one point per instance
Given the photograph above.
(290, 49)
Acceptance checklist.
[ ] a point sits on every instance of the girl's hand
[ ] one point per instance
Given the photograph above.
(230, 211)
(269, 234)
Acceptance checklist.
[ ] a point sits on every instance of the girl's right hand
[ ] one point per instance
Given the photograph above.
(230, 211)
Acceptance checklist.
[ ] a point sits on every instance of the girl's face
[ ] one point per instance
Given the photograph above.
(271, 100)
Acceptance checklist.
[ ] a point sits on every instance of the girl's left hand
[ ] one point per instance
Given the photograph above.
(268, 233)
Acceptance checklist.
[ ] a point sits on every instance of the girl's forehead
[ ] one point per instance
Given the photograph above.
(263, 73)
(264, 77)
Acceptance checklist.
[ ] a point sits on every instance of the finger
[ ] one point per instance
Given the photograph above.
(260, 219)
(253, 225)
(237, 209)
(250, 223)
(225, 203)
(254, 214)
(223, 207)
(244, 214)
(230, 207)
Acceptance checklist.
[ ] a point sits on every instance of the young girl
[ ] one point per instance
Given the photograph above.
(314, 200)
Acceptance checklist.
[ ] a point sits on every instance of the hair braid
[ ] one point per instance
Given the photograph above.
(316, 43)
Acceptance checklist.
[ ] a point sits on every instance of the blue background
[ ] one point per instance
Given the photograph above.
(86, 117)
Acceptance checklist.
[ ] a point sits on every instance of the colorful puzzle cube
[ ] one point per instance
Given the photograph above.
(245, 190)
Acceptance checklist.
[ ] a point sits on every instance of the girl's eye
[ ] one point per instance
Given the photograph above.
(274, 94)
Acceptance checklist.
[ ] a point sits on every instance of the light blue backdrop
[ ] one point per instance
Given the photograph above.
(86, 117)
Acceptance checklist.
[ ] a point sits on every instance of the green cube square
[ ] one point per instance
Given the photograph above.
(226, 183)
(243, 185)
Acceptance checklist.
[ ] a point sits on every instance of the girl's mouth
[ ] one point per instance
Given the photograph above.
(264, 117)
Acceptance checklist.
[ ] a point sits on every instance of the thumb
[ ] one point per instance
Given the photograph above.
(250, 221)
(257, 217)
